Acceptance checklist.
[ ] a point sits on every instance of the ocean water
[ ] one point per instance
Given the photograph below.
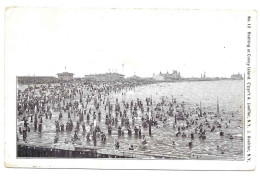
(230, 96)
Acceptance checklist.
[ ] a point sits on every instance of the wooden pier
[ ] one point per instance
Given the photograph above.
(47, 152)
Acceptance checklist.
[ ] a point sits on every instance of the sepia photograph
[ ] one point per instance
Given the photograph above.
(132, 84)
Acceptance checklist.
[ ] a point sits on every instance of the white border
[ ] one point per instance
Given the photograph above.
(10, 161)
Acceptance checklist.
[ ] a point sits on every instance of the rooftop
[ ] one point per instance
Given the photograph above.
(105, 74)
(65, 74)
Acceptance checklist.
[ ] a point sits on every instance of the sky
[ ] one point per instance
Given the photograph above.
(43, 41)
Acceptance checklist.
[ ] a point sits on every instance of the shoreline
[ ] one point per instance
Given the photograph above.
(142, 81)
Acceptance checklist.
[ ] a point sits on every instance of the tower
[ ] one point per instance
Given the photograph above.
(123, 68)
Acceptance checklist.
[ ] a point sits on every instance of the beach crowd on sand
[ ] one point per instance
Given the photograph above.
(82, 106)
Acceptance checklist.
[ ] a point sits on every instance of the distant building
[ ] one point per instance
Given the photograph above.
(158, 77)
(36, 79)
(175, 75)
(203, 75)
(104, 77)
(236, 76)
(134, 78)
(65, 76)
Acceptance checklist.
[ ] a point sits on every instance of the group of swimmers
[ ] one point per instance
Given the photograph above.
(97, 109)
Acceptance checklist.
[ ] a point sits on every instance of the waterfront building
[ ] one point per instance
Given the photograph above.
(36, 79)
(65, 76)
(158, 78)
(236, 76)
(134, 77)
(104, 77)
(175, 75)
(203, 75)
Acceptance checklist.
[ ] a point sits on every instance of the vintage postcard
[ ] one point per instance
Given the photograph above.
(130, 88)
